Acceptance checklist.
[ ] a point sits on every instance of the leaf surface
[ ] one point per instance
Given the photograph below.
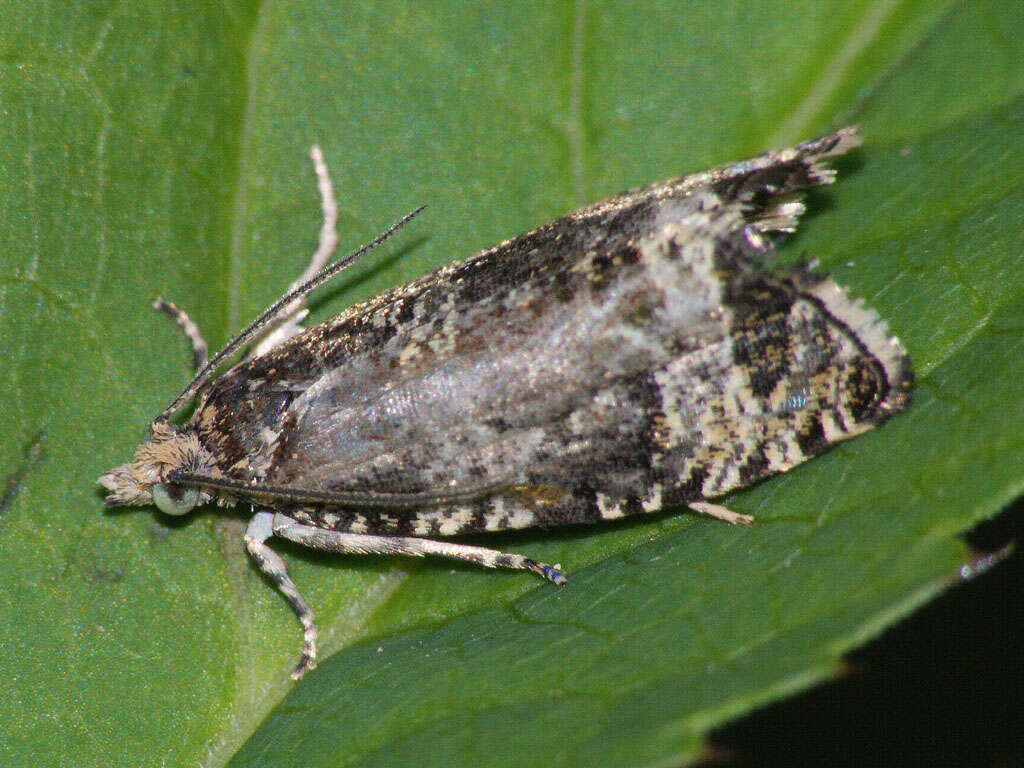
(155, 149)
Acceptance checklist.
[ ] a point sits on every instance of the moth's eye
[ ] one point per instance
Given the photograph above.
(174, 499)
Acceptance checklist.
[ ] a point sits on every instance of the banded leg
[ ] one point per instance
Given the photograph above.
(362, 544)
(288, 324)
(261, 528)
(721, 513)
(200, 351)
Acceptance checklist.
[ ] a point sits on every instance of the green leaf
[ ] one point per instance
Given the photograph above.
(158, 148)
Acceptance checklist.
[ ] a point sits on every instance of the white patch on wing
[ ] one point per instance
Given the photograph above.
(609, 508)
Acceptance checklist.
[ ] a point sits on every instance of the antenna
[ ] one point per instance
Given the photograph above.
(271, 313)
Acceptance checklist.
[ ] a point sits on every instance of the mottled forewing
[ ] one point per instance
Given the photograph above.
(532, 383)
(629, 356)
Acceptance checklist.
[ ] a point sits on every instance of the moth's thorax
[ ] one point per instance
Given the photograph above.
(170, 448)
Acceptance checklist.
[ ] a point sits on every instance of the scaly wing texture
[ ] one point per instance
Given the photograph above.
(628, 356)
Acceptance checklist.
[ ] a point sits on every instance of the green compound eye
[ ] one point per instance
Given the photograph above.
(173, 499)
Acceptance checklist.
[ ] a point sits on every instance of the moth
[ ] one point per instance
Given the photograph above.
(638, 354)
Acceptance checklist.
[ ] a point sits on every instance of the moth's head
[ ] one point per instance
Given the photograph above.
(143, 480)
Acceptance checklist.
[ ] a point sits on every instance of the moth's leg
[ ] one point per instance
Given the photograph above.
(261, 528)
(720, 512)
(359, 543)
(288, 322)
(200, 352)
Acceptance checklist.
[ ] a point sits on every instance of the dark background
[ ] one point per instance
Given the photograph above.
(944, 687)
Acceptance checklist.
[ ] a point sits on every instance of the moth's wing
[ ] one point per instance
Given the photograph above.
(759, 191)
(532, 371)
(766, 187)
(563, 385)
(543, 364)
